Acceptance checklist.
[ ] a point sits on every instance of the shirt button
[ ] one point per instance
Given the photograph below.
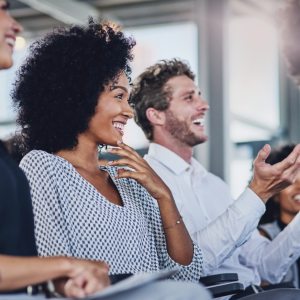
(291, 255)
(187, 169)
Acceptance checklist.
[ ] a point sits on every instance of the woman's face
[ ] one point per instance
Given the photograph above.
(9, 29)
(289, 198)
(112, 112)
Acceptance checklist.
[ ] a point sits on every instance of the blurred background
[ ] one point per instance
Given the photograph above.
(231, 45)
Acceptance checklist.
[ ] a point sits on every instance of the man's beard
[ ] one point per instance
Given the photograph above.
(180, 130)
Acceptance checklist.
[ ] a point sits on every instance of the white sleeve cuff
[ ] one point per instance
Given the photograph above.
(249, 202)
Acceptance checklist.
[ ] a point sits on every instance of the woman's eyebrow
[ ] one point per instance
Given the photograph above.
(114, 87)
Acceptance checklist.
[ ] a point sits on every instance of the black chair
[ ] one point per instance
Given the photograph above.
(216, 284)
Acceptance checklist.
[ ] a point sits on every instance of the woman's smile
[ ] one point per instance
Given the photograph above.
(119, 126)
(10, 41)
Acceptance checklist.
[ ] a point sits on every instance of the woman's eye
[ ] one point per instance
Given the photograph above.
(120, 96)
(188, 98)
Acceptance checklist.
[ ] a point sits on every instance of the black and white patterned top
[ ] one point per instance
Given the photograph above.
(72, 218)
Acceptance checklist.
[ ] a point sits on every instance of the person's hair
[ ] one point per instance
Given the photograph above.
(58, 85)
(290, 36)
(273, 208)
(149, 90)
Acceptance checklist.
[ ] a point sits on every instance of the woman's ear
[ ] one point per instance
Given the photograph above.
(156, 117)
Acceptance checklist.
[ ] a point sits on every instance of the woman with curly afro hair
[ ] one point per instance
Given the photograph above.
(72, 94)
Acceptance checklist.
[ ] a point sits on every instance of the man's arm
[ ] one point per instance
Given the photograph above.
(85, 277)
(273, 258)
(229, 231)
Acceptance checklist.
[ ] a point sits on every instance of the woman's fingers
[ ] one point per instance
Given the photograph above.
(125, 151)
(129, 149)
(122, 173)
(126, 162)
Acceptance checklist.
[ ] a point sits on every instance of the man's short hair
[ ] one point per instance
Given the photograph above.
(290, 36)
(149, 90)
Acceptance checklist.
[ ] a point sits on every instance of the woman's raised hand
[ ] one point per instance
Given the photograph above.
(269, 180)
(142, 173)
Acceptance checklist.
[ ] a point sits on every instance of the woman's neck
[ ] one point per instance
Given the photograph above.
(286, 217)
(84, 156)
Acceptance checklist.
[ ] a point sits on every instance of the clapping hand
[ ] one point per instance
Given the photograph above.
(269, 180)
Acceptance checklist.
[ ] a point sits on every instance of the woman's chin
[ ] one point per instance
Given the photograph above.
(5, 63)
(113, 143)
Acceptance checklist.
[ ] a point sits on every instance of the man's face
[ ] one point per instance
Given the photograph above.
(185, 115)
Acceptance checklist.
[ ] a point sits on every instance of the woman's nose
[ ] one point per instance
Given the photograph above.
(127, 111)
(17, 28)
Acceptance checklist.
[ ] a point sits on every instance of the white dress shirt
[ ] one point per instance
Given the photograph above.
(201, 198)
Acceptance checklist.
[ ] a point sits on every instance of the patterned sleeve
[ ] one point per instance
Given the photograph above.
(191, 272)
(50, 228)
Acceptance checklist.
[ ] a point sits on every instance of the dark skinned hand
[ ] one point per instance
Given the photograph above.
(143, 173)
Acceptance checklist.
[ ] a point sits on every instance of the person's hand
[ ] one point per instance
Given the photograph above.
(269, 180)
(84, 278)
(142, 173)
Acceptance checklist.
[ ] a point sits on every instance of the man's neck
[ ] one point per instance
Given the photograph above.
(182, 150)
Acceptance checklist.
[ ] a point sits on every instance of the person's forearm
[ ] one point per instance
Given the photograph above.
(276, 257)
(19, 272)
(179, 244)
(229, 231)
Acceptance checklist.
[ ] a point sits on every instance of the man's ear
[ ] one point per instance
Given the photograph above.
(156, 117)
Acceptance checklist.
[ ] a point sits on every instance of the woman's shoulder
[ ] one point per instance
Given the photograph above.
(35, 157)
(39, 161)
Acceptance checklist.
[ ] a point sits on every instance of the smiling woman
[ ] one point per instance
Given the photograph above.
(72, 94)
(59, 84)
(10, 29)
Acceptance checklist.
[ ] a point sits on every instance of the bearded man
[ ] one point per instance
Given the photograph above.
(170, 110)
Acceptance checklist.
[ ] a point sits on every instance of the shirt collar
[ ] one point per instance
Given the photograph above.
(174, 162)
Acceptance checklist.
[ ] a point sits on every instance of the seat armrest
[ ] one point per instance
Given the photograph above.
(226, 289)
(219, 278)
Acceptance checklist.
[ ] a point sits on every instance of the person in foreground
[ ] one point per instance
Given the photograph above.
(170, 110)
(281, 209)
(21, 272)
(19, 266)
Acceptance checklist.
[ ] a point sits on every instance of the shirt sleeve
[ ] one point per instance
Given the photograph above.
(191, 272)
(229, 231)
(50, 228)
(273, 258)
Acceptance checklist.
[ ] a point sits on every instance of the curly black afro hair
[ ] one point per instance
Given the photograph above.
(58, 86)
